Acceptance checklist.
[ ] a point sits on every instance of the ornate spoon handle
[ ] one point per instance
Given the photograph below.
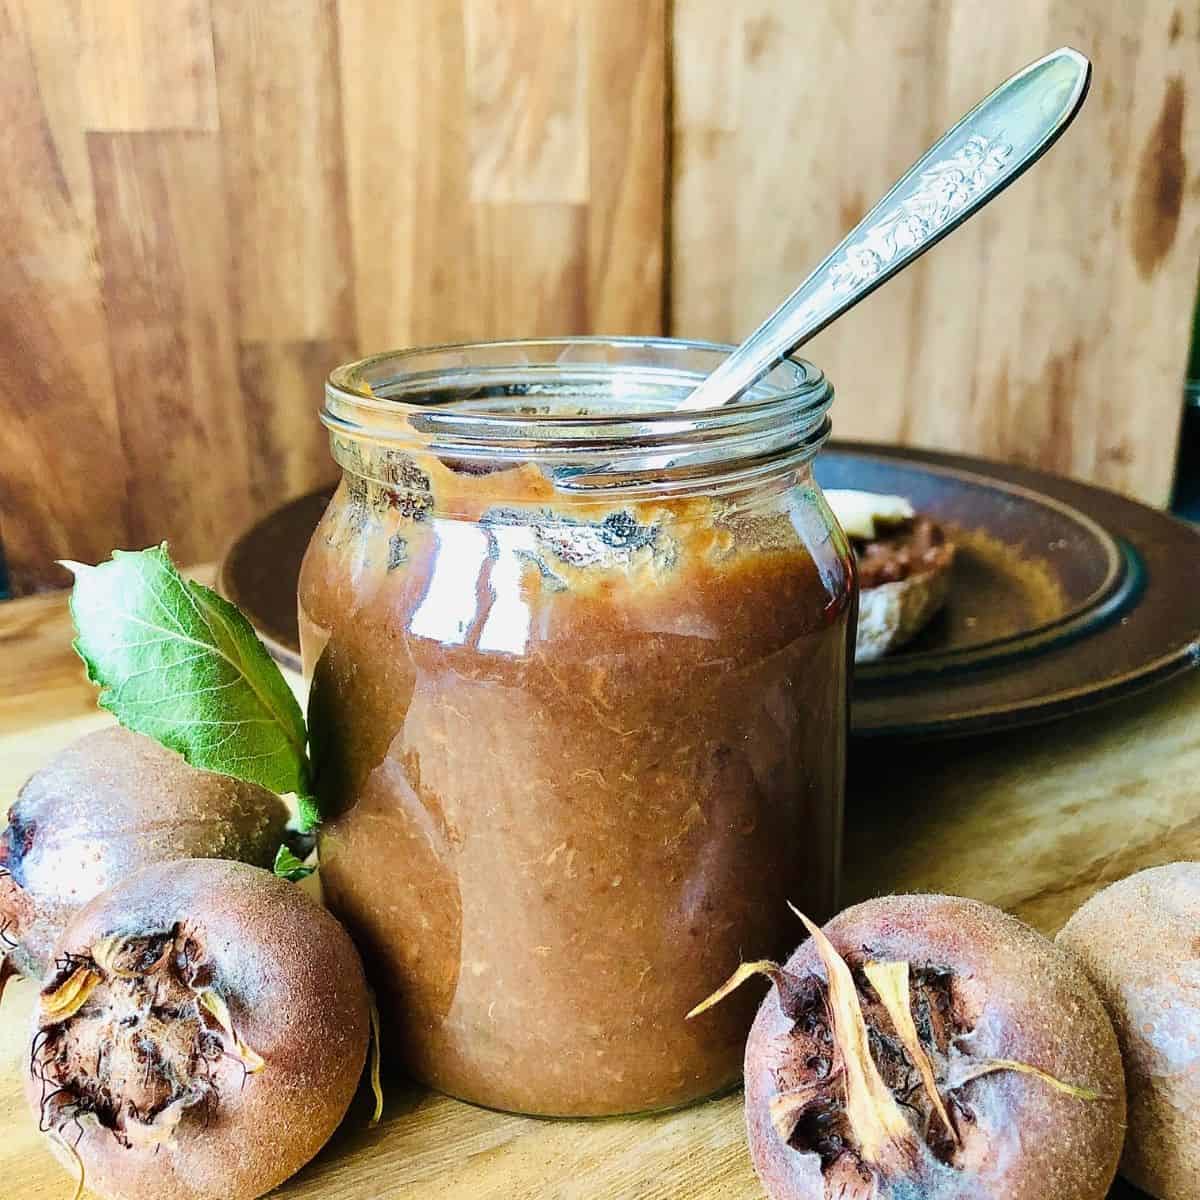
(991, 146)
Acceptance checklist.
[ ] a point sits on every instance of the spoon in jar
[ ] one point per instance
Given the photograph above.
(999, 139)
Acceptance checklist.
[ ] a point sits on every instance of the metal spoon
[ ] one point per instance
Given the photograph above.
(991, 146)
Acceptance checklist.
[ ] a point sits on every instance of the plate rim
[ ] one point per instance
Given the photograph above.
(1064, 702)
(1118, 587)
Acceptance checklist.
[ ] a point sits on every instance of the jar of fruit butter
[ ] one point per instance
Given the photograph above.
(579, 665)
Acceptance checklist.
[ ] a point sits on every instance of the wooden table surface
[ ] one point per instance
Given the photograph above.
(1034, 821)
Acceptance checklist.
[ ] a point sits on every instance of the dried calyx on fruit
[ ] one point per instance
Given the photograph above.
(200, 1036)
(887, 1115)
(133, 1034)
(872, 1073)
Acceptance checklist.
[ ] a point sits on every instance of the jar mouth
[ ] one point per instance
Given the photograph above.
(599, 411)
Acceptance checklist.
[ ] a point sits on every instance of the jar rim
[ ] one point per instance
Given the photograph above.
(350, 382)
(590, 406)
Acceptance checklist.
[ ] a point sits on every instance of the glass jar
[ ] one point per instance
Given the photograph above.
(579, 663)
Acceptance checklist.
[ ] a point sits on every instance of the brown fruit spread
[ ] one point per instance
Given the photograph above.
(913, 547)
(575, 759)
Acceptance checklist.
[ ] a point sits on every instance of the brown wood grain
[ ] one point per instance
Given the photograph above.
(127, 83)
(63, 471)
(164, 265)
(335, 177)
(1035, 821)
(211, 203)
(279, 86)
(281, 388)
(534, 151)
(519, 241)
(1053, 329)
(628, 175)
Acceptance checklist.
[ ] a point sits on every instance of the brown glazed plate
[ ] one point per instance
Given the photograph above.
(1064, 595)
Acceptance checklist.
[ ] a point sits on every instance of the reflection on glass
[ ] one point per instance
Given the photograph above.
(507, 626)
(448, 610)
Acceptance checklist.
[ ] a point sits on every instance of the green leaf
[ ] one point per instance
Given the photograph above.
(308, 811)
(288, 866)
(176, 662)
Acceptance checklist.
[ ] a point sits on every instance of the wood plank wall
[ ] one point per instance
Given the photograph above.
(207, 203)
(1053, 329)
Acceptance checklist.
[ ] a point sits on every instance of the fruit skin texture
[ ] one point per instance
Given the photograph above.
(1139, 941)
(296, 993)
(1023, 999)
(111, 803)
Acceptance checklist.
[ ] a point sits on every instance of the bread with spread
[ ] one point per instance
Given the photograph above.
(904, 562)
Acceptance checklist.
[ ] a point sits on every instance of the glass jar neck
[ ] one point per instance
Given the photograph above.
(582, 418)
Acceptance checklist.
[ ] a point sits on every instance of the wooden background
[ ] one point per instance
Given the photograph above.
(207, 203)
(1053, 329)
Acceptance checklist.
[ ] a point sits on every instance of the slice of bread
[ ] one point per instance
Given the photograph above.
(891, 614)
(892, 611)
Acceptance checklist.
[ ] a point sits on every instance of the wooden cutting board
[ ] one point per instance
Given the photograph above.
(1034, 821)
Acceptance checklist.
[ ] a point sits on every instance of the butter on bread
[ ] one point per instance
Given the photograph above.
(863, 514)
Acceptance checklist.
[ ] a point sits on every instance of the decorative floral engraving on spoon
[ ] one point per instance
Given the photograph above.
(944, 191)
